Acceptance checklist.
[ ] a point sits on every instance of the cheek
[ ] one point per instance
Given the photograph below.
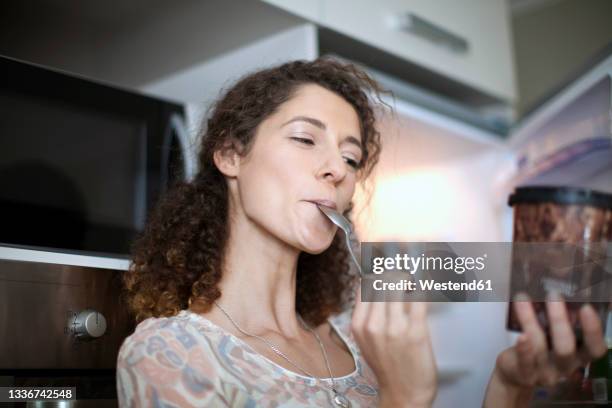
(267, 188)
(347, 190)
(350, 189)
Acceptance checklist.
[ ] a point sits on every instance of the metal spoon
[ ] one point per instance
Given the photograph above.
(345, 226)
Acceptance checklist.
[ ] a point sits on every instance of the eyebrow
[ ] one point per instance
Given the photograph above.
(322, 126)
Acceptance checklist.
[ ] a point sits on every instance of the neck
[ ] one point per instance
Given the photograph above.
(259, 282)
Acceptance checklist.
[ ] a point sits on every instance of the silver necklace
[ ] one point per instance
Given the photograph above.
(339, 399)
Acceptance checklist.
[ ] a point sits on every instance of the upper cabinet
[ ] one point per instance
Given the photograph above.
(468, 41)
(308, 9)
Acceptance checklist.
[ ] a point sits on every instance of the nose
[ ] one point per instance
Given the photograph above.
(334, 167)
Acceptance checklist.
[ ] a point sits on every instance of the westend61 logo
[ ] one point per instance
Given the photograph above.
(412, 264)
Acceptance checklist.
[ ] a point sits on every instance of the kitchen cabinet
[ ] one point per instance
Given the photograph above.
(310, 9)
(468, 41)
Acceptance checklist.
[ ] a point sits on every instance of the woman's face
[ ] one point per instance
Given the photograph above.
(306, 151)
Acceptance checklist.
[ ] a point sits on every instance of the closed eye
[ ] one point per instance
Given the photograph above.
(353, 163)
(304, 140)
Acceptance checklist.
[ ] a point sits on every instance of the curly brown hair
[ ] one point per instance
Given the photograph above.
(177, 261)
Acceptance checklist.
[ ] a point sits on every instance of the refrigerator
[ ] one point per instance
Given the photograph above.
(443, 179)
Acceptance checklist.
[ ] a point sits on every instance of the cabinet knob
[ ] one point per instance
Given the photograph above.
(89, 324)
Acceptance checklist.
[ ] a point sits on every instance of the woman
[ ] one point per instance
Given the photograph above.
(243, 287)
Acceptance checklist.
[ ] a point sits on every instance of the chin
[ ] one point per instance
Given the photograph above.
(313, 251)
(315, 248)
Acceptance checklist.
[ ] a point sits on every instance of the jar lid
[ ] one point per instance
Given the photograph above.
(560, 195)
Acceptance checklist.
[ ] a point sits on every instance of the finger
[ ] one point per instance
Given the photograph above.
(549, 375)
(418, 312)
(533, 371)
(397, 319)
(529, 323)
(394, 309)
(419, 328)
(526, 359)
(594, 343)
(562, 333)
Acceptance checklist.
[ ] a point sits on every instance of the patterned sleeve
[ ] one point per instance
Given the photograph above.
(162, 365)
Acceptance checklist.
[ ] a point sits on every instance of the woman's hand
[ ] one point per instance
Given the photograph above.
(529, 363)
(394, 340)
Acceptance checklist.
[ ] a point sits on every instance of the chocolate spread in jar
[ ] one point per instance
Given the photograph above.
(562, 215)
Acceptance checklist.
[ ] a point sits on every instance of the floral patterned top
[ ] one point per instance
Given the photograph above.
(188, 361)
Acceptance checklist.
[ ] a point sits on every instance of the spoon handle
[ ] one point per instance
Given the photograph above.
(349, 244)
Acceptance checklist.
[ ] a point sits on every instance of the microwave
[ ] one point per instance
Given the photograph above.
(82, 163)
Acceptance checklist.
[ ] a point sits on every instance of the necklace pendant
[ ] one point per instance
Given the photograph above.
(341, 401)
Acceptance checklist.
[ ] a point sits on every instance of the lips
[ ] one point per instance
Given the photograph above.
(327, 203)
